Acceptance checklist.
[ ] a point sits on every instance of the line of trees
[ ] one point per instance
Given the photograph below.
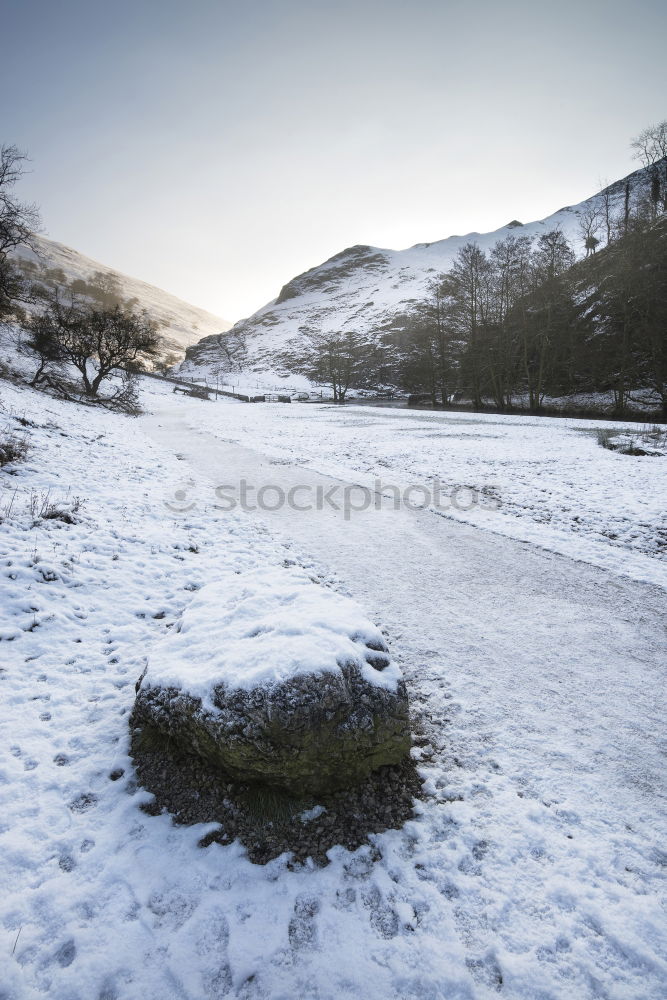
(491, 324)
(526, 320)
(522, 322)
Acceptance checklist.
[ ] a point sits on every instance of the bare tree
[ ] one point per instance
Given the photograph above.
(650, 145)
(338, 360)
(434, 339)
(18, 224)
(607, 210)
(590, 222)
(97, 342)
(551, 259)
(106, 289)
(12, 287)
(18, 220)
(469, 276)
(510, 261)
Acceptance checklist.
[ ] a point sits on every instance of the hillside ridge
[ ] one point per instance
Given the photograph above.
(182, 324)
(367, 289)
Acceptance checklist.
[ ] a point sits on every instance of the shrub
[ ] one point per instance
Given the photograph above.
(649, 441)
(12, 448)
(605, 436)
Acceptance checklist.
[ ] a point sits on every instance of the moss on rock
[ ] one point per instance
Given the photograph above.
(313, 733)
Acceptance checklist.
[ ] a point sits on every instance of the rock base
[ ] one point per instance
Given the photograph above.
(312, 734)
(269, 822)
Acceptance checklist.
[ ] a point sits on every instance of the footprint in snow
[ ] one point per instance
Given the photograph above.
(218, 983)
(302, 929)
(212, 936)
(486, 971)
(360, 864)
(383, 917)
(171, 909)
(83, 802)
(345, 898)
(66, 954)
(108, 992)
(467, 866)
(212, 933)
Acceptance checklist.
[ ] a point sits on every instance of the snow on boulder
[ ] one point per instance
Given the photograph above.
(275, 679)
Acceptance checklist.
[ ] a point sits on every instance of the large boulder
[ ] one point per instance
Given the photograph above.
(274, 679)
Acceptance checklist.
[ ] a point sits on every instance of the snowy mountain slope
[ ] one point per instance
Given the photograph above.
(367, 289)
(181, 324)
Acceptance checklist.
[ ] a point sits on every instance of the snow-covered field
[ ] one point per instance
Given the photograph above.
(535, 866)
(542, 480)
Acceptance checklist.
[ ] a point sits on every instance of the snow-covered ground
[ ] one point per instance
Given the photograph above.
(535, 866)
(544, 481)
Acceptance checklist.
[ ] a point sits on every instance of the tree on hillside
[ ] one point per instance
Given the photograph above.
(167, 362)
(42, 340)
(626, 294)
(102, 341)
(96, 342)
(12, 287)
(18, 224)
(651, 143)
(607, 216)
(650, 147)
(590, 223)
(233, 350)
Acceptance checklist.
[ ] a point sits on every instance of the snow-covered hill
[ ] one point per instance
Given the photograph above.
(181, 323)
(367, 289)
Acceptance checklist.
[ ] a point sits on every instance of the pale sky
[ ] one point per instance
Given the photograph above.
(218, 148)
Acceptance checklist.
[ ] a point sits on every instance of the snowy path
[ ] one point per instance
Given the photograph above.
(538, 682)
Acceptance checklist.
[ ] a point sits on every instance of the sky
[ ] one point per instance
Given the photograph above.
(217, 148)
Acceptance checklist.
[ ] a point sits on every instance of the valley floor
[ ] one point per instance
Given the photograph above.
(541, 480)
(531, 631)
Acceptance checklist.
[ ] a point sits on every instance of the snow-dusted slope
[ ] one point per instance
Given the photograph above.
(366, 289)
(181, 324)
